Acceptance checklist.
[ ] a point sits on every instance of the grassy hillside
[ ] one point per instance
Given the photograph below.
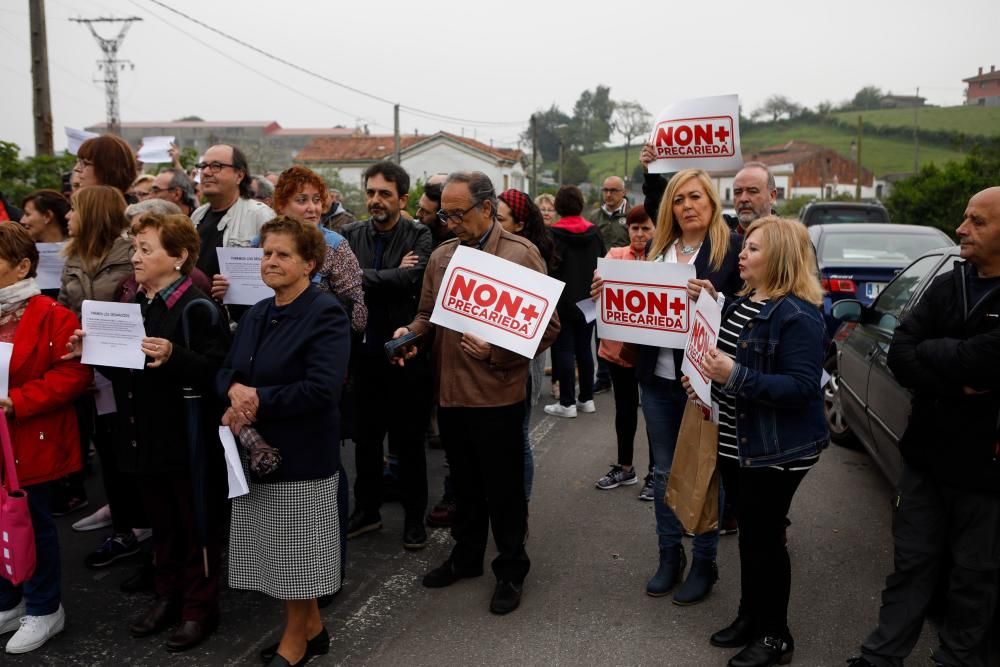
(972, 121)
(880, 154)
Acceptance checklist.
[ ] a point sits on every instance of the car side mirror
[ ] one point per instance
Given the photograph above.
(847, 310)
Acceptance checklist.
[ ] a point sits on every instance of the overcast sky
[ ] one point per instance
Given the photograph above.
(490, 62)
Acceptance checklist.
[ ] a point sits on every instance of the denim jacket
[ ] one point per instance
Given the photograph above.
(776, 382)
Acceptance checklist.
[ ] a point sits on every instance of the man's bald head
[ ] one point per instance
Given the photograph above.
(613, 192)
(979, 233)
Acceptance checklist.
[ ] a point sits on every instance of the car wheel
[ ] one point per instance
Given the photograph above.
(840, 432)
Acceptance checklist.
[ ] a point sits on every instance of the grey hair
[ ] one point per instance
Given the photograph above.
(771, 185)
(180, 180)
(480, 187)
(161, 206)
(264, 187)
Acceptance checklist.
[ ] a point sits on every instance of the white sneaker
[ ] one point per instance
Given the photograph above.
(99, 519)
(586, 406)
(36, 630)
(560, 410)
(10, 620)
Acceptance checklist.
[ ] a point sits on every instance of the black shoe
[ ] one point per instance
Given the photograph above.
(764, 652)
(190, 634)
(414, 535)
(506, 597)
(318, 645)
(445, 575)
(361, 523)
(736, 634)
(602, 386)
(157, 618)
(142, 579)
(116, 547)
(668, 574)
(703, 575)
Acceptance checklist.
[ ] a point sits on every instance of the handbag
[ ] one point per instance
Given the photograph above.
(693, 485)
(17, 535)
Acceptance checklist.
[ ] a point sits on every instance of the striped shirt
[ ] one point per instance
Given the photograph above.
(729, 334)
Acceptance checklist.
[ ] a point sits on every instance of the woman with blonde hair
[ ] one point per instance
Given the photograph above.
(766, 379)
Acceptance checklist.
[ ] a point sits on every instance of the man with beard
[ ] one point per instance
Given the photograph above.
(392, 251)
(428, 206)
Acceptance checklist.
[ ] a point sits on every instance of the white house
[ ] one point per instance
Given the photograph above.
(421, 155)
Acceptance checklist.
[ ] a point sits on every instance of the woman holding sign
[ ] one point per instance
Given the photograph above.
(766, 375)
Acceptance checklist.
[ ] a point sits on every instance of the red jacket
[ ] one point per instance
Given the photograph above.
(43, 388)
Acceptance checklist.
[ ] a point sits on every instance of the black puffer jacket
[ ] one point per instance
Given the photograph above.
(578, 245)
(942, 346)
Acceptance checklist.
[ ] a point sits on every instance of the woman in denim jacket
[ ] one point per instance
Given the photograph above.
(766, 373)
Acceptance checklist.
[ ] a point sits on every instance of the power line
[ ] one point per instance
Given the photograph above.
(414, 110)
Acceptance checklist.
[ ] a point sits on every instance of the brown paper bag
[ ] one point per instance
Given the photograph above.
(693, 485)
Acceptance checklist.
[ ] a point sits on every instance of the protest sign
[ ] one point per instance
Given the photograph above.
(644, 302)
(706, 320)
(76, 137)
(701, 133)
(241, 267)
(50, 265)
(114, 333)
(478, 296)
(155, 150)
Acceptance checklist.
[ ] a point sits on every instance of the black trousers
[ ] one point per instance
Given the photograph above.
(626, 386)
(486, 450)
(396, 402)
(763, 496)
(935, 527)
(572, 347)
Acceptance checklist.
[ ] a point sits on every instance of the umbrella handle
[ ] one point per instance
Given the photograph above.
(185, 323)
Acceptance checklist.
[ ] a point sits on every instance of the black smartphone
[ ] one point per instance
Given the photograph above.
(396, 348)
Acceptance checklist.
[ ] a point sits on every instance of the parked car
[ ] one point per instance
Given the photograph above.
(836, 212)
(857, 261)
(863, 401)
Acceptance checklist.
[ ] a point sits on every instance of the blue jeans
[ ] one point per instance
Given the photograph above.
(663, 406)
(42, 592)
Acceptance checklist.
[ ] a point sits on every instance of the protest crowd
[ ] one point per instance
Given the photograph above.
(219, 431)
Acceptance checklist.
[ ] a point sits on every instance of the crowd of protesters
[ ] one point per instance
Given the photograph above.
(297, 374)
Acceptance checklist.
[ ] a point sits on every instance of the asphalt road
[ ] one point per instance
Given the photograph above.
(584, 603)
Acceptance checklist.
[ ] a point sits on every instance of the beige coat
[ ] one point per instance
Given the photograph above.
(100, 285)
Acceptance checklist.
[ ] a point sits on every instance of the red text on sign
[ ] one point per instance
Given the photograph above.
(660, 307)
(695, 137)
(703, 338)
(494, 302)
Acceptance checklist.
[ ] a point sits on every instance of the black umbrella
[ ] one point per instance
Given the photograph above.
(196, 446)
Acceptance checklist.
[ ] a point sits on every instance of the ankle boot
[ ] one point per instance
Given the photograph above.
(672, 564)
(703, 575)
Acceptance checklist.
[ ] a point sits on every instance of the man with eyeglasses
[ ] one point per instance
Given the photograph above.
(392, 250)
(231, 218)
(610, 215)
(481, 390)
(174, 186)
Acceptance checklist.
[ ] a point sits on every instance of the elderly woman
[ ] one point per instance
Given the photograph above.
(767, 369)
(546, 203)
(284, 376)
(43, 429)
(141, 187)
(185, 347)
(107, 160)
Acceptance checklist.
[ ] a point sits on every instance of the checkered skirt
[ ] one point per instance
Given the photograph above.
(285, 539)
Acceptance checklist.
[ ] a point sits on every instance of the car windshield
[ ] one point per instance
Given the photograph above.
(826, 216)
(884, 248)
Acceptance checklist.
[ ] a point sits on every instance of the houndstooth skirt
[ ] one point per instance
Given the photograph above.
(285, 539)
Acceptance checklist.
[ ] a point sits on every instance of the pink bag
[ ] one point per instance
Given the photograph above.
(17, 535)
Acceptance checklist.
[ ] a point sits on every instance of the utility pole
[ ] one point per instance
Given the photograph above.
(111, 64)
(916, 139)
(534, 156)
(560, 163)
(41, 99)
(395, 118)
(857, 187)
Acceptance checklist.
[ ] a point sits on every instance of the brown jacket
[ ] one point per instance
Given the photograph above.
(460, 379)
(78, 283)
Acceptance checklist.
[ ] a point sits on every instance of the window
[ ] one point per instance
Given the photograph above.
(781, 193)
(888, 307)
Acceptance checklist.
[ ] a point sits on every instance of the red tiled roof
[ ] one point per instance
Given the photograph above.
(985, 76)
(312, 131)
(378, 147)
(791, 152)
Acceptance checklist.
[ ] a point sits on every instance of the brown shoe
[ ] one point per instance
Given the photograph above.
(158, 618)
(190, 634)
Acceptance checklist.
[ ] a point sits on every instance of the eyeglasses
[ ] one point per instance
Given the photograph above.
(82, 164)
(607, 190)
(155, 190)
(212, 166)
(445, 216)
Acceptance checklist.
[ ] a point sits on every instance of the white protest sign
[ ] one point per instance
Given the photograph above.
(76, 137)
(114, 334)
(706, 320)
(644, 302)
(6, 351)
(241, 267)
(478, 296)
(701, 133)
(155, 150)
(50, 265)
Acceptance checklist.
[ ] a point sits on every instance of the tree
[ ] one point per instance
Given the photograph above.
(630, 120)
(777, 106)
(575, 170)
(20, 177)
(869, 97)
(591, 123)
(351, 196)
(190, 119)
(553, 128)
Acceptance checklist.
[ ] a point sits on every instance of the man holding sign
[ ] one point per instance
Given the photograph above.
(481, 390)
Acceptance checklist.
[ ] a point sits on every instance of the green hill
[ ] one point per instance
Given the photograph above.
(973, 121)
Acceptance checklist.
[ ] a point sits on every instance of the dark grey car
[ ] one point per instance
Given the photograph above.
(863, 400)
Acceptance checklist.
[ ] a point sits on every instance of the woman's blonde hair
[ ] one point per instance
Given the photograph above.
(100, 220)
(790, 262)
(668, 229)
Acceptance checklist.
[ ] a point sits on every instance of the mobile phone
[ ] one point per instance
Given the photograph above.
(396, 348)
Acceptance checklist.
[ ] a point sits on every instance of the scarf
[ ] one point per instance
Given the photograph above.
(14, 298)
